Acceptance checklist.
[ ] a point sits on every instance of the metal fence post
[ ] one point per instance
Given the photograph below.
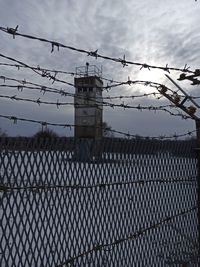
(198, 182)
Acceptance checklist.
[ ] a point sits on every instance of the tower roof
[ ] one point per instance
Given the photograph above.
(88, 70)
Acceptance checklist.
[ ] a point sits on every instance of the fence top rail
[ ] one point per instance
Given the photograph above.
(179, 148)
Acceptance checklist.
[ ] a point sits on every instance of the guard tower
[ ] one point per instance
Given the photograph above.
(88, 102)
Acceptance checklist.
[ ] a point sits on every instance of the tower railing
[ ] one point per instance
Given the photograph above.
(88, 70)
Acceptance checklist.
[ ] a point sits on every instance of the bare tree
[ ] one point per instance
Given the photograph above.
(107, 130)
(2, 133)
(47, 133)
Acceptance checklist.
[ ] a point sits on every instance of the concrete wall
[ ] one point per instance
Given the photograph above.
(88, 107)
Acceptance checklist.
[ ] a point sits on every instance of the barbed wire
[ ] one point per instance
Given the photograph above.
(48, 75)
(155, 94)
(5, 187)
(109, 86)
(57, 91)
(41, 88)
(43, 74)
(124, 62)
(130, 237)
(128, 82)
(96, 102)
(158, 86)
(71, 73)
(127, 135)
(112, 105)
(14, 32)
(96, 105)
(18, 66)
(55, 71)
(44, 89)
(62, 92)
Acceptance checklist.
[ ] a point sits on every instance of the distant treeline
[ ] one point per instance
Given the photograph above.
(178, 148)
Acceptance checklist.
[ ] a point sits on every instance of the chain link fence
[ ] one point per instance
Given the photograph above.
(114, 202)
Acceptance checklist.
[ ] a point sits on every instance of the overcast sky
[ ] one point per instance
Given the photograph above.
(157, 32)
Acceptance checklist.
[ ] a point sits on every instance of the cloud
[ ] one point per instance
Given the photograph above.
(153, 32)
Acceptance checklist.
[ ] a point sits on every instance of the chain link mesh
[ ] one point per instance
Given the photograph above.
(113, 202)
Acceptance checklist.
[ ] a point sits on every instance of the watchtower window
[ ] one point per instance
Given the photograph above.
(84, 89)
(91, 89)
(79, 89)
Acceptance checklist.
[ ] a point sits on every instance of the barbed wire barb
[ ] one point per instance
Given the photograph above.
(130, 237)
(127, 135)
(94, 53)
